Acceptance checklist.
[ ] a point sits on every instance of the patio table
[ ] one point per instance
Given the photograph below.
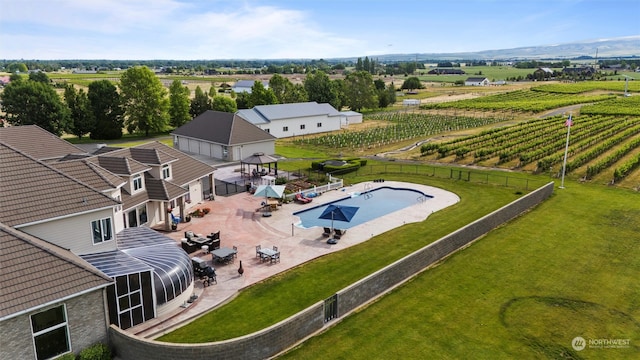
(223, 254)
(266, 253)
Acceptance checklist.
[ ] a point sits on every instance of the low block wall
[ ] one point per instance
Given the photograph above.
(259, 345)
(279, 337)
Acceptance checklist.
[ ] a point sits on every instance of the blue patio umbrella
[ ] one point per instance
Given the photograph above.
(338, 213)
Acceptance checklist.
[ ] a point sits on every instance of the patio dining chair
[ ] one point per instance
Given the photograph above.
(275, 248)
(235, 248)
(275, 258)
(258, 253)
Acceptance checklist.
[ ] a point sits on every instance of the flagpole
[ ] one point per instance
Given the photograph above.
(566, 150)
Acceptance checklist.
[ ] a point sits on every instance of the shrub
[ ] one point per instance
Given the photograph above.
(95, 352)
(281, 180)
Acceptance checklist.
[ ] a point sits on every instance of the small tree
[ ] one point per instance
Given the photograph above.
(200, 103)
(223, 103)
(412, 83)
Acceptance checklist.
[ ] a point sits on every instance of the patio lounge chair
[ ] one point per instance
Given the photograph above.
(301, 199)
(327, 232)
(338, 233)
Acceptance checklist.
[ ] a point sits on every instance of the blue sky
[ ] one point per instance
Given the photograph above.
(270, 29)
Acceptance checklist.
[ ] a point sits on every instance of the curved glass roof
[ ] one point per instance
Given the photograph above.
(143, 249)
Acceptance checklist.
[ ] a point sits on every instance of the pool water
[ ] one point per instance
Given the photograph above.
(371, 205)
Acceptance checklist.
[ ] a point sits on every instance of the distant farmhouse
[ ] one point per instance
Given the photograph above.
(246, 85)
(446, 71)
(286, 120)
(476, 81)
(579, 71)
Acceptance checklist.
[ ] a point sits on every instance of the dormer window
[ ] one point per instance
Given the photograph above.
(137, 183)
(166, 172)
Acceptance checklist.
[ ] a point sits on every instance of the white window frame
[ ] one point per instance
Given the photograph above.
(166, 171)
(105, 228)
(64, 324)
(137, 183)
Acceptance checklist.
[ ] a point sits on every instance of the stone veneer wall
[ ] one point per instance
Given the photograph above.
(86, 320)
(279, 337)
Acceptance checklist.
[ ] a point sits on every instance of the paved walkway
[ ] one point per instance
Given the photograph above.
(242, 226)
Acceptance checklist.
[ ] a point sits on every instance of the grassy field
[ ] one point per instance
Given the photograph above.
(568, 268)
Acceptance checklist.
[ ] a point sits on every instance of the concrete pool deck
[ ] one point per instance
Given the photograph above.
(242, 226)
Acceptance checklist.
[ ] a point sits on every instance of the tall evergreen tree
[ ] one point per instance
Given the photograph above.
(105, 104)
(145, 101)
(179, 104)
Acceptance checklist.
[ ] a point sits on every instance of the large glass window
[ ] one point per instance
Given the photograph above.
(137, 183)
(50, 332)
(101, 230)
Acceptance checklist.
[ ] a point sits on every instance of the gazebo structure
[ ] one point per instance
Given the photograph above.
(260, 160)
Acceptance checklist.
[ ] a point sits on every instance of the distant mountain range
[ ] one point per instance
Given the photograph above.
(606, 48)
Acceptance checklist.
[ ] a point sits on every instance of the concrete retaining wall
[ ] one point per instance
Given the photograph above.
(279, 337)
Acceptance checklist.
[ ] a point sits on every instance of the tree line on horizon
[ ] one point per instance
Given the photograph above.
(141, 104)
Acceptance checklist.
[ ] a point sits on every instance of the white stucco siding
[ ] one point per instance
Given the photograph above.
(74, 233)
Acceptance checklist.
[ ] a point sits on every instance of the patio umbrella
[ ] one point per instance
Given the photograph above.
(338, 213)
(273, 191)
(269, 191)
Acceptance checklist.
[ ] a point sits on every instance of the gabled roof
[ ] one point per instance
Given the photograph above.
(35, 273)
(186, 169)
(151, 156)
(249, 83)
(37, 142)
(222, 128)
(32, 191)
(476, 79)
(119, 164)
(90, 174)
(162, 190)
(295, 110)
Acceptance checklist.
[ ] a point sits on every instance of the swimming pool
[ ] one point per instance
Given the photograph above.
(371, 204)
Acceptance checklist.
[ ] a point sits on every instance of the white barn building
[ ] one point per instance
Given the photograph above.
(286, 120)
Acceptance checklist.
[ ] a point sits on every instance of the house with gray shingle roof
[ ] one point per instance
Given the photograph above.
(223, 136)
(99, 207)
(51, 300)
(297, 119)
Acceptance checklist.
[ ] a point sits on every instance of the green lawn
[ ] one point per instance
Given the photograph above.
(282, 296)
(568, 268)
